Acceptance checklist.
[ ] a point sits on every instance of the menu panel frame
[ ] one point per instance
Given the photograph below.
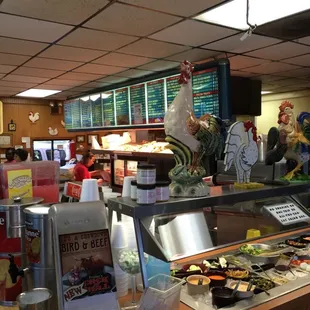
(120, 120)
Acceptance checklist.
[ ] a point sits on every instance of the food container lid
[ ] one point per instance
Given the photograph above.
(134, 182)
(146, 166)
(162, 183)
(146, 186)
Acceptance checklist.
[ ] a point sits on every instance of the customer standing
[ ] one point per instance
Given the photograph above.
(10, 156)
(21, 155)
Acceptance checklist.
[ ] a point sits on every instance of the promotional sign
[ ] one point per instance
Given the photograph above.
(33, 244)
(73, 190)
(20, 183)
(86, 261)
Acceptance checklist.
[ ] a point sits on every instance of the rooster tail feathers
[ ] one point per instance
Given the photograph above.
(275, 147)
(272, 138)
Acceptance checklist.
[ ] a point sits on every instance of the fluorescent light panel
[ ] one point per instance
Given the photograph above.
(38, 93)
(233, 13)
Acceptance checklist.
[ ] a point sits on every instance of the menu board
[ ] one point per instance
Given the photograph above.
(156, 101)
(96, 108)
(108, 109)
(205, 92)
(137, 104)
(173, 87)
(122, 106)
(68, 115)
(85, 107)
(76, 114)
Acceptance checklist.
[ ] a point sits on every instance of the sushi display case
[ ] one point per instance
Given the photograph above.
(233, 238)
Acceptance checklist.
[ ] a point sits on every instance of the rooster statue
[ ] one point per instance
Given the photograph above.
(190, 139)
(290, 140)
(242, 150)
(33, 117)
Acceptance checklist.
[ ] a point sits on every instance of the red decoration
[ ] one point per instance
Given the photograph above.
(286, 104)
(186, 72)
(247, 126)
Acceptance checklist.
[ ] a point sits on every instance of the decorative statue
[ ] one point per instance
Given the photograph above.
(190, 139)
(290, 140)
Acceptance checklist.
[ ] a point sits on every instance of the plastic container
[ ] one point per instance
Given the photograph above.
(167, 289)
(156, 266)
(146, 174)
(162, 191)
(146, 194)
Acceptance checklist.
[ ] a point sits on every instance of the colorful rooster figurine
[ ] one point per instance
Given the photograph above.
(190, 139)
(290, 140)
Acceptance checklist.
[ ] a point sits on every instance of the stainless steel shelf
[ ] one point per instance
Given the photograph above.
(218, 196)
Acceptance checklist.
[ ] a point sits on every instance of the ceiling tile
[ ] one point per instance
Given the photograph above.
(289, 81)
(31, 29)
(193, 33)
(301, 72)
(193, 55)
(46, 63)
(240, 62)
(281, 51)
(151, 48)
(80, 89)
(6, 68)
(95, 84)
(241, 73)
(235, 45)
(17, 84)
(53, 87)
(133, 73)
(7, 93)
(122, 60)
(270, 68)
(21, 78)
(2, 75)
(113, 79)
(95, 39)
(67, 12)
(81, 76)
(12, 89)
(99, 69)
(38, 72)
(71, 53)
(125, 19)
(64, 82)
(300, 60)
(9, 59)
(21, 47)
(305, 40)
(177, 7)
(160, 65)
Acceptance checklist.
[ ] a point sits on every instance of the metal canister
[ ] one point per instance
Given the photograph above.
(12, 226)
(36, 299)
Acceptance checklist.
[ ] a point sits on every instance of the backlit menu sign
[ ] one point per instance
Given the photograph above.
(173, 87)
(68, 115)
(85, 106)
(137, 104)
(76, 114)
(122, 106)
(156, 101)
(108, 109)
(97, 112)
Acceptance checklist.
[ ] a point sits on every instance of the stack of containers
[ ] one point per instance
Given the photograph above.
(146, 184)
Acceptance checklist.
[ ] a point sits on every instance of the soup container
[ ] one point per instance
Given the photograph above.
(217, 278)
(222, 297)
(193, 288)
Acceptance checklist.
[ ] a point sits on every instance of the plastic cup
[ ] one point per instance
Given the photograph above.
(127, 186)
(89, 191)
(118, 237)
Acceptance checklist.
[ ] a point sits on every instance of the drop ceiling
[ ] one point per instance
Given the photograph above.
(78, 46)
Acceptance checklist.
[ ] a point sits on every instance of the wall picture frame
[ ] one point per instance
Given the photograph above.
(80, 139)
(12, 126)
(89, 138)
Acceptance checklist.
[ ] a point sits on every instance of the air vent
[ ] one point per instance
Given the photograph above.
(288, 28)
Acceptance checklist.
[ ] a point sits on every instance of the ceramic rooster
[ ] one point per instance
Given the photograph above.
(290, 140)
(242, 150)
(190, 139)
(52, 132)
(33, 117)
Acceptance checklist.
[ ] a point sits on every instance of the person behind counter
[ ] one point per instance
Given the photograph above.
(81, 169)
(10, 156)
(21, 155)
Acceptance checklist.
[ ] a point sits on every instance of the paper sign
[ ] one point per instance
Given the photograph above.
(20, 183)
(73, 190)
(27, 141)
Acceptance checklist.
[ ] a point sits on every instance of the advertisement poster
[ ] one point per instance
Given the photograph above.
(86, 260)
(33, 244)
(20, 183)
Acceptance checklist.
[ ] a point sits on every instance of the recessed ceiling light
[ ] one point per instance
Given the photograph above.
(38, 93)
(265, 92)
(233, 14)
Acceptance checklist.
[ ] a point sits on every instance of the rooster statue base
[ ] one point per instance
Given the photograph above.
(241, 150)
(190, 139)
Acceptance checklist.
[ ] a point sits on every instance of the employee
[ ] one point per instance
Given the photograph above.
(21, 155)
(81, 169)
(10, 156)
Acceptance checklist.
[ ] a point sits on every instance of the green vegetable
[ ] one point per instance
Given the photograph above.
(249, 249)
(194, 268)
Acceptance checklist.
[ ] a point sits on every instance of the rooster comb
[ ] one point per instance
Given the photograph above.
(248, 125)
(286, 104)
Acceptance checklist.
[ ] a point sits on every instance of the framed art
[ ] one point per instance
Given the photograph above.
(89, 138)
(80, 139)
(11, 126)
(6, 140)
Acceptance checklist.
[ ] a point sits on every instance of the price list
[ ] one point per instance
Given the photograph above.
(205, 92)
(137, 104)
(156, 101)
(76, 115)
(108, 109)
(173, 87)
(122, 106)
(96, 108)
(85, 107)
(68, 115)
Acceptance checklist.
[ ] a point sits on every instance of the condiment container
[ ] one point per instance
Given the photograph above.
(162, 191)
(133, 190)
(146, 174)
(222, 297)
(242, 292)
(194, 287)
(146, 194)
(218, 278)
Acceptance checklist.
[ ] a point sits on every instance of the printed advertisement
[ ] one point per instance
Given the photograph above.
(33, 245)
(74, 190)
(20, 183)
(87, 264)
